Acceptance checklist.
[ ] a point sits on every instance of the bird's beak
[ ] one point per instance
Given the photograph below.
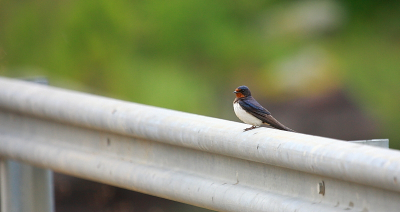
(235, 92)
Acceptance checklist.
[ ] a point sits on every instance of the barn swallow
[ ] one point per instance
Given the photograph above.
(251, 112)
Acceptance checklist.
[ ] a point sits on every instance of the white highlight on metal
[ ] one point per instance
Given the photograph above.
(245, 116)
(198, 160)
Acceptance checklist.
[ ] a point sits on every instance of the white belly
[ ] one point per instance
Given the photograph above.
(245, 117)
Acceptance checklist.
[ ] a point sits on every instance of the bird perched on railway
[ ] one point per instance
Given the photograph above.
(251, 112)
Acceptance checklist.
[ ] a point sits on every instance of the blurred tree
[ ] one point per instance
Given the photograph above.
(189, 55)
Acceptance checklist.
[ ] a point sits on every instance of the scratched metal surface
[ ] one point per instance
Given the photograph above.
(189, 158)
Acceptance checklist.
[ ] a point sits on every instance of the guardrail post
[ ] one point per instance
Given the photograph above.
(25, 188)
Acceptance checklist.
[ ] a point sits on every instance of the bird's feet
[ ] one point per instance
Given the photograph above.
(250, 128)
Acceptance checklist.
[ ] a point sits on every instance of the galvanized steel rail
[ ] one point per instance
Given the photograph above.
(189, 158)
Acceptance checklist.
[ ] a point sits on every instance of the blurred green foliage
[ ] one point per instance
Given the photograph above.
(190, 55)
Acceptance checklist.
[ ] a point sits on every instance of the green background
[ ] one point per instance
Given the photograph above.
(190, 55)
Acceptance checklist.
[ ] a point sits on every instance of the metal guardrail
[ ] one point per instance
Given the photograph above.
(24, 187)
(189, 158)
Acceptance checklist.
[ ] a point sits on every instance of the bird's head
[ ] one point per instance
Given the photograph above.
(242, 91)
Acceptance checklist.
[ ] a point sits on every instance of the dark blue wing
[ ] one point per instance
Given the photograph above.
(250, 105)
